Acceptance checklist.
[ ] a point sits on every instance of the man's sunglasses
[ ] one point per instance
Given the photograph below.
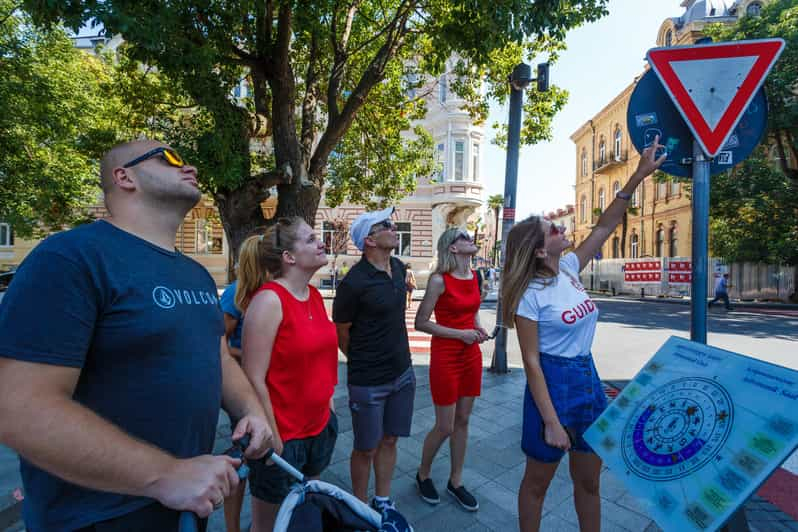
(167, 154)
(383, 225)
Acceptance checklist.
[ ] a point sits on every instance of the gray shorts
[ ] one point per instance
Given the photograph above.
(382, 410)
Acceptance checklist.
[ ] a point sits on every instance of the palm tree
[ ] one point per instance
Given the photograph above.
(496, 202)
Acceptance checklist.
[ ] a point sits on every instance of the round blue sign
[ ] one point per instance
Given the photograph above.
(651, 112)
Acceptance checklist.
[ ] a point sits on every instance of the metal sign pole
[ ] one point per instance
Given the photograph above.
(522, 75)
(698, 301)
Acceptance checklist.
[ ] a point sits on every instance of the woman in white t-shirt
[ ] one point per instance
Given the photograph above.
(556, 320)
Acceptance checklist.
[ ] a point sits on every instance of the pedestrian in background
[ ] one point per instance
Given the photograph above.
(410, 280)
(455, 372)
(722, 291)
(556, 320)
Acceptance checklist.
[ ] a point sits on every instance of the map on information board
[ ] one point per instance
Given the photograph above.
(697, 431)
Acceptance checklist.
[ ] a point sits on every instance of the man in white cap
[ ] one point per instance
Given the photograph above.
(369, 311)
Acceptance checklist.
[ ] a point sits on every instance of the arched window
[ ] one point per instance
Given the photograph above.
(616, 187)
(583, 209)
(584, 162)
(754, 9)
(618, 136)
(602, 151)
(616, 247)
(601, 199)
(633, 246)
(669, 38)
(673, 239)
(660, 241)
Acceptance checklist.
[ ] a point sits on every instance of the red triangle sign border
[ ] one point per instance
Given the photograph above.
(712, 141)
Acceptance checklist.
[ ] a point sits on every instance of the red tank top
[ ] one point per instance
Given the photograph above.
(457, 305)
(303, 370)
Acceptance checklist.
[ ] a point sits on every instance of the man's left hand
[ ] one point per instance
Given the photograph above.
(260, 434)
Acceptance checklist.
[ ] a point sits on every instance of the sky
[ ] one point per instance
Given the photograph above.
(601, 60)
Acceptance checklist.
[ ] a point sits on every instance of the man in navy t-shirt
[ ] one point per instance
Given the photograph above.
(112, 369)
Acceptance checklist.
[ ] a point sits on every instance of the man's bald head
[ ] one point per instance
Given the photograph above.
(118, 156)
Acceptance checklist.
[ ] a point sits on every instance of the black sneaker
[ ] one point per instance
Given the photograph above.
(465, 499)
(427, 491)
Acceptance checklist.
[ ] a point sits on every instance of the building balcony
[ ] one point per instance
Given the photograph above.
(610, 160)
(456, 192)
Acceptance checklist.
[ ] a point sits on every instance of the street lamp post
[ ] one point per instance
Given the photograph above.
(519, 80)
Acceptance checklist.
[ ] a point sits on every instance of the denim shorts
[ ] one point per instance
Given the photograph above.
(311, 456)
(578, 398)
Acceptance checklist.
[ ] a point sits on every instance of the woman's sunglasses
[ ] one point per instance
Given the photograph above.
(556, 229)
(167, 154)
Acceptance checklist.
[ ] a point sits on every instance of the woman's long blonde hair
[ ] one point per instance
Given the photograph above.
(260, 258)
(521, 265)
(447, 262)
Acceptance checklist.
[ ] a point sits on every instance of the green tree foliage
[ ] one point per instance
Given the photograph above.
(755, 213)
(55, 123)
(331, 85)
(754, 207)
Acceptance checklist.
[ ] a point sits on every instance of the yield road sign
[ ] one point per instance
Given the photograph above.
(712, 84)
(651, 112)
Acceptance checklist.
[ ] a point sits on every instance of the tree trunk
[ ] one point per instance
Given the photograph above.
(241, 216)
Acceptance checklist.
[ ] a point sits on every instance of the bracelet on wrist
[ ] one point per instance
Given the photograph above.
(623, 195)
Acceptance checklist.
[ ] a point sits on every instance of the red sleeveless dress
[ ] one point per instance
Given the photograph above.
(303, 370)
(455, 369)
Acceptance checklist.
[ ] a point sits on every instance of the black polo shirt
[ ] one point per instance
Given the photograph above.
(374, 304)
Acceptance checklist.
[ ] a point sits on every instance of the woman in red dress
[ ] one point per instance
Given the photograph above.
(455, 372)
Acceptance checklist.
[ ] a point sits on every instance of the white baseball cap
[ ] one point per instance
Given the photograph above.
(362, 225)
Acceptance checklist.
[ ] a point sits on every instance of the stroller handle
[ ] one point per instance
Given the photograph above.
(188, 520)
(285, 466)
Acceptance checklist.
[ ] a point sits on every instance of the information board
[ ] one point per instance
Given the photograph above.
(697, 431)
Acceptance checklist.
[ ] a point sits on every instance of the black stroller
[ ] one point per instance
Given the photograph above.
(317, 506)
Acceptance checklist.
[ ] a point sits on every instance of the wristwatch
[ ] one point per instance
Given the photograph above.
(623, 195)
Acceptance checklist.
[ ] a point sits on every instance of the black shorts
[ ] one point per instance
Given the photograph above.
(148, 519)
(310, 455)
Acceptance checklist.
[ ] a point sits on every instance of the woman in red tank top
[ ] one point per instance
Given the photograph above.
(455, 372)
(290, 354)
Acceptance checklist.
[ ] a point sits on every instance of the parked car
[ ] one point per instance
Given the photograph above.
(5, 280)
